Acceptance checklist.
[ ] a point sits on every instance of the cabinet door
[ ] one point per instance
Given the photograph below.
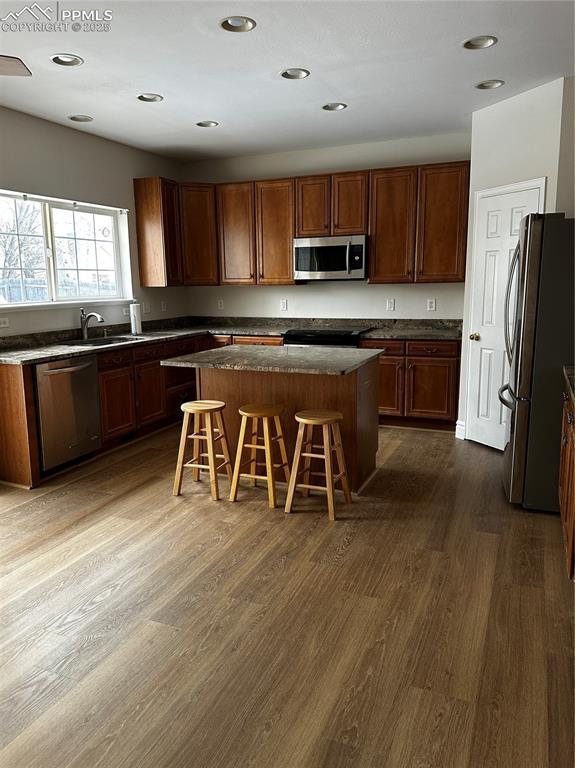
(567, 484)
(150, 393)
(430, 387)
(392, 219)
(349, 203)
(391, 385)
(313, 206)
(275, 231)
(158, 231)
(443, 192)
(235, 206)
(267, 341)
(117, 402)
(199, 238)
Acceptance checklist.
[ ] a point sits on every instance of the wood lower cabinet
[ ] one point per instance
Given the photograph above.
(268, 341)
(150, 393)
(392, 220)
(443, 192)
(236, 233)
(117, 403)
(219, 340)
(430, 387)
(313, 206)
(567, 483)
(158, 231)
(349, 203)
(391, 385)
(274, 206)
(199, 234)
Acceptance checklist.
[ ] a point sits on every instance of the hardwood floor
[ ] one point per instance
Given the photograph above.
(430, 625)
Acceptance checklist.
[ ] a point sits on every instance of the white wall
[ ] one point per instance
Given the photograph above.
(566, 179)
(515, 140)
(44, 158)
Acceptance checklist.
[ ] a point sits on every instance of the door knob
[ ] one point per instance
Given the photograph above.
(474, 336)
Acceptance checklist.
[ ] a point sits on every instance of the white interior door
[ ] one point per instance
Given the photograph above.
(498, 214)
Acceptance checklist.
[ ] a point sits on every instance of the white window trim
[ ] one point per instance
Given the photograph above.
(121, 252)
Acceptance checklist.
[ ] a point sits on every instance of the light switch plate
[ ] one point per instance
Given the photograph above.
(126, 311)
(163, 306)
(283, 305)
(220, 303)
(390, 305)
(146, 306)
(4, 322)
(431, 305)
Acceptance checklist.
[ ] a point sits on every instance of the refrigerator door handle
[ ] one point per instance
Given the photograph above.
(506, 319)
(503, 400)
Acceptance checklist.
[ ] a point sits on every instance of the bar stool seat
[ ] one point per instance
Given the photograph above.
(267, 414)
(213, 432)
(305, 448)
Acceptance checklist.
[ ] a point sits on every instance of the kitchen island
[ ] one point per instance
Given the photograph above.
(300, 378)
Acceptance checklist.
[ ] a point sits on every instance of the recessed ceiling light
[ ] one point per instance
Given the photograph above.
(334, 106)
(489, 85)
(81, 118)
(480, 42)
(295, 73)
(67, 59)
(238, 24)
(207, 124)
(150, 97)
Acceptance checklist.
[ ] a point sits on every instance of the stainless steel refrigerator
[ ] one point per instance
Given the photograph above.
(540, 340)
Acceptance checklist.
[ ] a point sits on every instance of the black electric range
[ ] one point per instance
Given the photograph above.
(324, 337)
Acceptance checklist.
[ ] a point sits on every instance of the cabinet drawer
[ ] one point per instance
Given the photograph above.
(116, 358)
(433, 348)
(178, 377)
(386, 346)
(219, 340)
(275, 341)
(149, 352)
(180, 347)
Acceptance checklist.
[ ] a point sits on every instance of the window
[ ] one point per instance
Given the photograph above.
(55, 251)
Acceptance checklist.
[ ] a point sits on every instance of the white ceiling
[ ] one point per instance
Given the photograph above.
(399, 65)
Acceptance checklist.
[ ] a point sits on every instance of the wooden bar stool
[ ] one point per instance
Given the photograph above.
(266, 414)
(213, 432)
(304, 448)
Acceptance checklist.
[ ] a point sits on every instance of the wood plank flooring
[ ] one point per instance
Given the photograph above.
(431, 626)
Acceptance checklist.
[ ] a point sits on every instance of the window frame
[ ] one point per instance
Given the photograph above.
(123, 288)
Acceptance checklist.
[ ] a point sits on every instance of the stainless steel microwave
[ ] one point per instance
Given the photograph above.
(329, 258)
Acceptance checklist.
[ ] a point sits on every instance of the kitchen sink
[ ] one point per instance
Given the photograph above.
(102, 342)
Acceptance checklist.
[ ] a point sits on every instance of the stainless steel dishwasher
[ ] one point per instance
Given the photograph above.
(69, 409)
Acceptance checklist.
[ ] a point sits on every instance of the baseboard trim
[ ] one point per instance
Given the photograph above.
(460, 430)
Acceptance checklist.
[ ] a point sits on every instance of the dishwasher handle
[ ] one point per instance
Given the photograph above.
(68, 369)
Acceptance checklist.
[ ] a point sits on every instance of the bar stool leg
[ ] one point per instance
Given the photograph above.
(254, 452)
(295, 468)
(181, 455)
(212, 458)
(237, 465)
(197, 447)
(341, 466)
(328, 471)
(224, 441)
(282, 445)
(269, 463)
(308, 446)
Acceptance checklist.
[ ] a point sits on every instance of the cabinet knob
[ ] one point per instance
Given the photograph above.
(474, 336)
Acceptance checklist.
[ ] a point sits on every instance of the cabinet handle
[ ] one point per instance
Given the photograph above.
(251, 275)
(570, 418)
(410, 366)
(564, 439)
(399, 365)
(432, 350)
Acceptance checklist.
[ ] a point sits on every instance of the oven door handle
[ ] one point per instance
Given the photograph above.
(347, 256)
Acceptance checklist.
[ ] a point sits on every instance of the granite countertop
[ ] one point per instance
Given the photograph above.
(319, 360)
(569, 373)
(424, 334)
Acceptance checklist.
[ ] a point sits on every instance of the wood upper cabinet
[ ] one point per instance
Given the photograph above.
(274, 231)
(349, 203)
(430, 387)
(199, 235)
(117, 402)
(158, 231)
(392, 221)
(235, 206)
(313, 206)
(443, 192)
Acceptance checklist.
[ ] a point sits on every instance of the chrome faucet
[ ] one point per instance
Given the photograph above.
(85, 319)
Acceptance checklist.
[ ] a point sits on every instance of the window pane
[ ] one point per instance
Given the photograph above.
(35, 285)
(88, 283)
(104, 227)
(32, 253)
(107, 282)
(106, 256)
(84, 224)
(63, 222)
(7, 214)
(86, 254)
(67, 280)
(9, 252)
(29, 216)
(65, 253)
(10, 286)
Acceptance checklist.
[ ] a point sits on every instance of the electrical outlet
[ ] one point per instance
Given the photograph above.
(146, 307)
(4, 322)
(283, 305)
(126, 311)
(431, 305)
(220, 303)
(390, 305)
(164, 306)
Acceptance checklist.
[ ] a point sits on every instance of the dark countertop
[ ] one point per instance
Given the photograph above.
(569, 373)
(336, 361)
(424, 334)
